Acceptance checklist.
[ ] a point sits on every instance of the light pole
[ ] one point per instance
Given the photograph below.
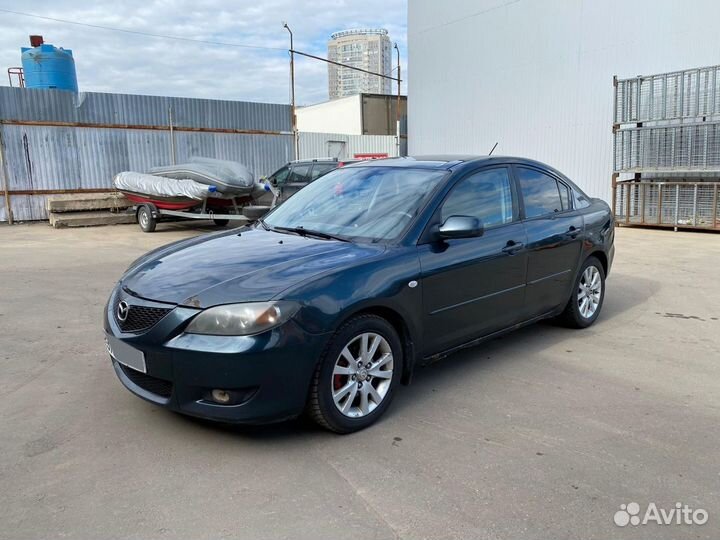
(397, 112)
(293, 118)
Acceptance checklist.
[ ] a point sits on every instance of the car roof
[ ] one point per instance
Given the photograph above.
(458, 162)
(446, 161)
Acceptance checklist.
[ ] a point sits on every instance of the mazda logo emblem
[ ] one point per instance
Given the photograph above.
(122, 311)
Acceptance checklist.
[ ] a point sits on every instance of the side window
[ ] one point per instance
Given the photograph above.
(565, 197)
(540, 193)
(486, 195)
(299, 173)
(321, 168)
(580, 200)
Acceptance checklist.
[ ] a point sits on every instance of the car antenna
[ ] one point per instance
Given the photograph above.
(493, 149)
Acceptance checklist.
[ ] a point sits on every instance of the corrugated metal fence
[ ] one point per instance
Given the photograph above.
(55, 141)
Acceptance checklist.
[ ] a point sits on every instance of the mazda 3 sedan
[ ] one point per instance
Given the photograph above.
(331, 301)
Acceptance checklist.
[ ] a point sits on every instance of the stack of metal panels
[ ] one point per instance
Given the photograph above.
(666, 134)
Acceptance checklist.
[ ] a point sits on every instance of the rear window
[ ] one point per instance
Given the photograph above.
(299, 173)
(321, 168)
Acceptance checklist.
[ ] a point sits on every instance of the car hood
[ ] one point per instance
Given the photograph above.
(253, 265)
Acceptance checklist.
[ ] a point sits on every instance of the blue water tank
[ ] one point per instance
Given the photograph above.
(46, 66)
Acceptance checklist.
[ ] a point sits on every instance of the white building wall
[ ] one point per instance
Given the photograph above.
(342, 115)
(343, 146)
(536, 75)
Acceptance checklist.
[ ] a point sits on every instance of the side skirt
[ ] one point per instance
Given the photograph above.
(438, 356)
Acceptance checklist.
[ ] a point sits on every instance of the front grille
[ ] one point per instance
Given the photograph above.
(141, 318)
(147, 382)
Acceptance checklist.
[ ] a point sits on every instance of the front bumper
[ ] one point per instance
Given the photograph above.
(268, 374)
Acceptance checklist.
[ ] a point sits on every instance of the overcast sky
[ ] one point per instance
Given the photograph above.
(119, 62)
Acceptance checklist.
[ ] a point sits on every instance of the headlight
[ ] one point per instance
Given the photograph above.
(242, 319)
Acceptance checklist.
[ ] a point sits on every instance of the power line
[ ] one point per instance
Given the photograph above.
(138, 32)
(344, 65)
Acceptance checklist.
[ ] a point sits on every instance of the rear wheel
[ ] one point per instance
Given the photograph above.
(588, 294)
(356, 378)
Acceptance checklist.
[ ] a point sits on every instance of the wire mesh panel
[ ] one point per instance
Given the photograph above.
(705, 202)
(666, 96)
(689, 147)
(674, 204)
(651, 215)
(634, 203)
(668, 205)
(620, 197)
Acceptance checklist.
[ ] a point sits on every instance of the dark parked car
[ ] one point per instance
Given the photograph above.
(332, 300)
(295, 175)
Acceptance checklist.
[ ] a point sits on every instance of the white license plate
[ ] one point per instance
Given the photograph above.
(125, 354)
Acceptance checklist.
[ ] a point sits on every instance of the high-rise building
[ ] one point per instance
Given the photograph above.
(368, 49)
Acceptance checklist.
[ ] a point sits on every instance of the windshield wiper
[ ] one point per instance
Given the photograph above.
(302, 231)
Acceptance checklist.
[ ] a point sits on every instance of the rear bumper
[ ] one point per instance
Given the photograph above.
(268, 374)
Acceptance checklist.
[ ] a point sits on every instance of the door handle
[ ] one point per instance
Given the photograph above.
(512, 247)
(573, 231)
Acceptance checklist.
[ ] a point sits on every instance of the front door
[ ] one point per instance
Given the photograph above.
(474, 286)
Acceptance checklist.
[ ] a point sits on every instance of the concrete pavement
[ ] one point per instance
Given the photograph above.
(541, 434)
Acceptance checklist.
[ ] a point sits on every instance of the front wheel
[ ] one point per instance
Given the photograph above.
(356, 378)
(587, 297)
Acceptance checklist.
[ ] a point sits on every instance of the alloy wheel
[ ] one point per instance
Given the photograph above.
(362, 375)
(589, 292)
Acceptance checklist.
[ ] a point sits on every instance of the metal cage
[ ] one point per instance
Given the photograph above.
(690, 93)
(667, 204)
(675, 148)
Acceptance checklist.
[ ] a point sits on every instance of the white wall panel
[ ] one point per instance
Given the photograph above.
(536, 76)
(342, 146)
(336, 116)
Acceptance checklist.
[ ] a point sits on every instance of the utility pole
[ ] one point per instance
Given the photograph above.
(292, 94)
(397, 112)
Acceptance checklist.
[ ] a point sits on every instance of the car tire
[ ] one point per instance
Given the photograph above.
(145, 218)
(588, 294)
(336, 374)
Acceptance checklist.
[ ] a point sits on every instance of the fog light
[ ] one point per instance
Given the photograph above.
(221, 396)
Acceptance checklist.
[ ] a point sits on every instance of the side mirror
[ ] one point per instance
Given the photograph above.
(460, 227)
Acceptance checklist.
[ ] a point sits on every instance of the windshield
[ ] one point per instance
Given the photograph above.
(374, 203)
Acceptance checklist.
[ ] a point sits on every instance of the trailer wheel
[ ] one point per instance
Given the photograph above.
(145, 218)
(221, 222)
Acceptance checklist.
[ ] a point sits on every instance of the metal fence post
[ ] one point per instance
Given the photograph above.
(6, 180)
(627, 203)
(172, 136)
(614, 194)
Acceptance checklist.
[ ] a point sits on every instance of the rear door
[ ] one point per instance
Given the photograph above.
(474, 286)
(554, 239)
